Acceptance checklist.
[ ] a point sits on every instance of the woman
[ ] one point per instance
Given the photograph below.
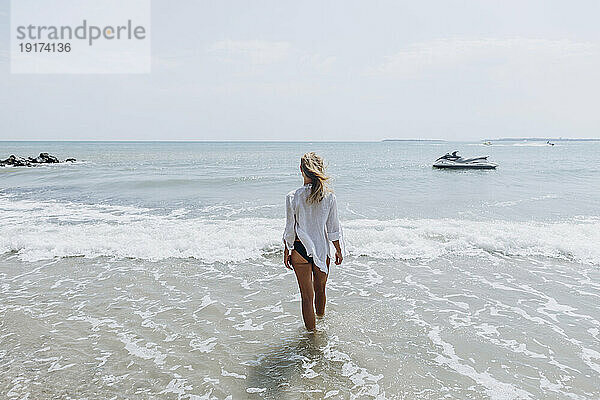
(311, 223)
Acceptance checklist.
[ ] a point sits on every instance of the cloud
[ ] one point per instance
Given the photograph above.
(255, 52)
(318, 62)
(279, 54)
(450, 53)
(167, 62)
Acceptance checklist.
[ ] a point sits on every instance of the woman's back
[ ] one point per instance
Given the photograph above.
(313, 223)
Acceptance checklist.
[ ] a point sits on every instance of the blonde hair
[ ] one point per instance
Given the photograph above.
(314, 168)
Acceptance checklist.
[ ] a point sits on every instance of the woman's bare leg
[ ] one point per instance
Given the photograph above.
(303, 270)
(319, 281)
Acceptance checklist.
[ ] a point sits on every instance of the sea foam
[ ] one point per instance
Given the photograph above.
(47, 229)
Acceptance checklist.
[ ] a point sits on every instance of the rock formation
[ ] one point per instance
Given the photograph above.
(43, 158)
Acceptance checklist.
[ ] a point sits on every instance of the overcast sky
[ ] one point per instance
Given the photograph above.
(330, 70)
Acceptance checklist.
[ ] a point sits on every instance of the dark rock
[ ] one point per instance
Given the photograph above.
(43, 158)
(15, 161)
(48, 158)
(70, 160)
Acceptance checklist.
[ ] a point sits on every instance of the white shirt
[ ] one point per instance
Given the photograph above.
(315, 224)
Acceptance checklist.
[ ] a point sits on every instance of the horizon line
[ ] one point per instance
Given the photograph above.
(218, 140)
(291, 141)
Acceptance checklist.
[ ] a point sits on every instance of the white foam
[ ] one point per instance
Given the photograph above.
(177, 386)
(45, 230)
(248, 326)
(588, 355)
(309, 373)
(256, 390)
(511, 203)
(232, 374)
(56, 365)
(204, 346)
(147, 352)
(206, 301)
(430, 238)
(206, 396)
(361, 378)
(494, 388)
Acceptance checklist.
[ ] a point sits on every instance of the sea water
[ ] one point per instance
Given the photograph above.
(153, 270)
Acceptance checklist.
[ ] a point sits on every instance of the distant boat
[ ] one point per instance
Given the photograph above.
(548, 143)
(488, 143)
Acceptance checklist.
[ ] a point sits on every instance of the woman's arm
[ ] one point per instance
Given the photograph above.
(289, 234)
(338, 252)
(287, 258)
(334, 232)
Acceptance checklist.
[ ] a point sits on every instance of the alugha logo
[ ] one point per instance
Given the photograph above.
(84, 31)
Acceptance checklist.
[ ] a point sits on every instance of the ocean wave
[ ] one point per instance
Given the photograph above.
(45, 230)
(537, 144)
(496, 144)
(430, 238)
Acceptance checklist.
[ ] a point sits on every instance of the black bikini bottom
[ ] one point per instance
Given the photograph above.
(299, 247)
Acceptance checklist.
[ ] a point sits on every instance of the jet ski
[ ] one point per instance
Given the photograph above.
(454, 161)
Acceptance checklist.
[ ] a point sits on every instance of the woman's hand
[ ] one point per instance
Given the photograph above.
(287, 258)
(338, 257)
(338, 252)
